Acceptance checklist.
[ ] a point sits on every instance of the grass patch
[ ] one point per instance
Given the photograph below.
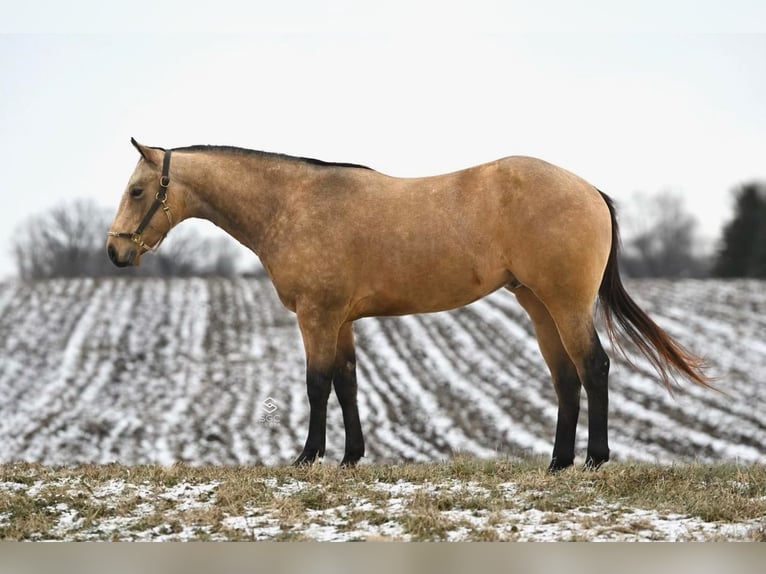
(482, 500)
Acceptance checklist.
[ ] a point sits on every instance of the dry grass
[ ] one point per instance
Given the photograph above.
(465, 499)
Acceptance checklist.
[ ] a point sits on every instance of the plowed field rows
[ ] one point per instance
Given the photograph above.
(159, 371)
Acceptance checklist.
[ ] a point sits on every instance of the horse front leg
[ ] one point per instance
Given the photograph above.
(320, 337)
(344, 381)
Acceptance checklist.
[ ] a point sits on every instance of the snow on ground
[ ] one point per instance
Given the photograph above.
(160, 371)
(597, 522)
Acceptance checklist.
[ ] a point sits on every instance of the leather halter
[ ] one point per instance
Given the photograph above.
(160, 200)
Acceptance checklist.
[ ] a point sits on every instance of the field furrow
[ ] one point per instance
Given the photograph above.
(211, 371)
(384, 385)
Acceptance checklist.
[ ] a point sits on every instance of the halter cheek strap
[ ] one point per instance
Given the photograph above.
(160, 200)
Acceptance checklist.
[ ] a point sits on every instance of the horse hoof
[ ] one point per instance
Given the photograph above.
(349, 461)
(556, 466)
(592, 464)
(307, 459)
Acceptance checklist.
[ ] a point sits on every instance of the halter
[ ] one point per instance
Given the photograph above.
(160, 200)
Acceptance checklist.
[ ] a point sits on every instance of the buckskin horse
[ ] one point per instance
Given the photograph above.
(342, 241)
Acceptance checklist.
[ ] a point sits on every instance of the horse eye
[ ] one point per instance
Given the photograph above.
(136, 192)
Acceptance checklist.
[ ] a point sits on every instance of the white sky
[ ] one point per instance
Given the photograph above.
(630, 95)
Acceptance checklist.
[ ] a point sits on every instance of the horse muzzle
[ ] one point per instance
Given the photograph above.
(130, 258)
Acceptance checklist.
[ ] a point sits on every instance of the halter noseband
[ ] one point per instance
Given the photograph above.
(160, 200)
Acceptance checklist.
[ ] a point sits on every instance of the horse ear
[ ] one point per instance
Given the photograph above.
(150, 154)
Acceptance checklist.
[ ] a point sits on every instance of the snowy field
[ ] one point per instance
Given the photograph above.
(211, 372)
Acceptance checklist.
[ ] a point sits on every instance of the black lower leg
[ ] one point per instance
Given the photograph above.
(318, 383)
(344, 382)
(596, 386)
(568, 390)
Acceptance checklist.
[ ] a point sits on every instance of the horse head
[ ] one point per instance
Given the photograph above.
(137, 227)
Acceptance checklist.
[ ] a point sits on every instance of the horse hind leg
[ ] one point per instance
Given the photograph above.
(344, 381)
(574, 322)
(566, 380)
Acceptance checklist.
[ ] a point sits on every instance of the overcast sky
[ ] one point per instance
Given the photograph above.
(671, 97)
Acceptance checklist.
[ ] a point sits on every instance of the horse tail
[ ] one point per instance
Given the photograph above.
(665, 354)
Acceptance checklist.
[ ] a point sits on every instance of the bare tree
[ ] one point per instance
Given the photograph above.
(68, 241)
(62, 242)
(661, 238)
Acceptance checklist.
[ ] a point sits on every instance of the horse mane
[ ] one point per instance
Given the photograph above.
(232, 150)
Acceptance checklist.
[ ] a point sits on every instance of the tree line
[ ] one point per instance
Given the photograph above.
(660, 240)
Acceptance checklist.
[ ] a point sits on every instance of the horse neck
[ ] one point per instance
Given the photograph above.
(240, 194)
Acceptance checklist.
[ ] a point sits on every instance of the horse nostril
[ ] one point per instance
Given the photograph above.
(112, 252)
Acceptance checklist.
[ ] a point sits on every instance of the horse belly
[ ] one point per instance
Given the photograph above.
(427, 290)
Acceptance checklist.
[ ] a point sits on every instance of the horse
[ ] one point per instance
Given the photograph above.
(342, 241)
